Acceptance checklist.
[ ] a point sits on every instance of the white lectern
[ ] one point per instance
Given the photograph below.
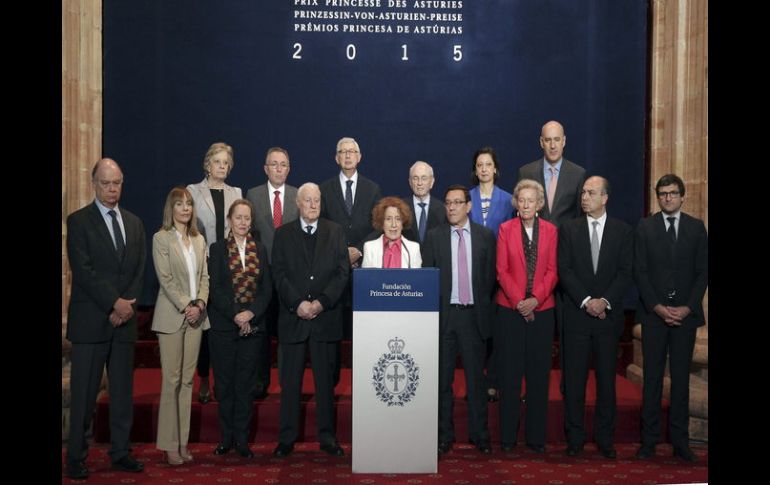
(395, 370)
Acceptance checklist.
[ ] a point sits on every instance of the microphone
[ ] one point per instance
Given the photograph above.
(408, 255)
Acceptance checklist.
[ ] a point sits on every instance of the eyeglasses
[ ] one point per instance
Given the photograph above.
(276, 165)
(451, 203)
(665, 195)
(347, 152)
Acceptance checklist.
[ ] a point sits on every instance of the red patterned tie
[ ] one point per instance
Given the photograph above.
(277, 213)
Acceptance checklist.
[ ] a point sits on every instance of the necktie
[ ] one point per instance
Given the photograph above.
(464, 289)
(309, 229)
(349, 197)
(671, 229)
(120, 245)
(421, 225)
(595, 246)
(277, 212)
(552, 188)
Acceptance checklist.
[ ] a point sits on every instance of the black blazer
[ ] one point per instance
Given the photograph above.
(437, 253)
(99, 278)
(566, 204)
(299, 277)
(614, 272)
(359, 224)
(436, 216)
(222, 305)
(659, 267)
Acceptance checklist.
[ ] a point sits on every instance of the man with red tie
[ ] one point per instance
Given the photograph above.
(274, 205)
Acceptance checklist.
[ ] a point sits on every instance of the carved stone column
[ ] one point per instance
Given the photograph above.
(679, 144)
(81, 126)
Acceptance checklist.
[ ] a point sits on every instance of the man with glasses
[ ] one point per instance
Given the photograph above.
(274, 205)
(427, 211)
(671, 272)
(348, 200)
(465, 253)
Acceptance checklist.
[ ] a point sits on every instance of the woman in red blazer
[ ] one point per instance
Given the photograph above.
(526, 273)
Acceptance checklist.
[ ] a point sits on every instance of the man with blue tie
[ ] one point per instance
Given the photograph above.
(106, 251)
(465, 253)
(427, 211)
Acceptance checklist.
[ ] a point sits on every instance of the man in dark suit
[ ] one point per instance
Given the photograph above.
(348, 199)
(671, 272)
(274, 205)
(311, 269)
(595, 257)
(106, 251)
(465, 253)
(427, 211)
(562, 179)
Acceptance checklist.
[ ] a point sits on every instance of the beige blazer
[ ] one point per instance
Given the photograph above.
(171, 268)
(204, 208)
(410, 254)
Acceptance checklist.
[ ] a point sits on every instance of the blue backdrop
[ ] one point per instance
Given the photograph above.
(180, 75)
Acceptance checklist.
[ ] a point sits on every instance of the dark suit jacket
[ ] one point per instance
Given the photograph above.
(436, 215)
(99, 278)
(437, 253)
(359, 224)
(566, 204)
(299, 277)
(658, 267)
(222, 305)
(263, 215)
(614, 272)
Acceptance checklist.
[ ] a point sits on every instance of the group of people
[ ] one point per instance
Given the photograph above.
(513, 268)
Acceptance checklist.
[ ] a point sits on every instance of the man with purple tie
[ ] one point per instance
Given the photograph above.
(465, 253)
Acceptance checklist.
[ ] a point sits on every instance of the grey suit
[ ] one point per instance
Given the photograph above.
(566, 204)
(99, 278)
(259, 197)
(204, 208)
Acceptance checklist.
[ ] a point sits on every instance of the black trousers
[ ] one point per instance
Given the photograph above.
(323, 361)
(678, 343)
(234, 360)
(462, 335)
(583, 336)
(88, 361)
(524, 351)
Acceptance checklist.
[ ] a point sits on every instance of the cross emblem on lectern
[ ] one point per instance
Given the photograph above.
(395, 377)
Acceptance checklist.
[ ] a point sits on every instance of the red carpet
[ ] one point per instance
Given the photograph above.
(463, 465)
(204, 426)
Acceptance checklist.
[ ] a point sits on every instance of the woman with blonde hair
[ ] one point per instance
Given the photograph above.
(213, 198)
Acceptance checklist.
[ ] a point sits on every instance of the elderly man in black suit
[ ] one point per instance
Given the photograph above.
(106, 251)
(427, 211)
(310, 269)
(465, 253)
(595, 256)
(274, 204)
(671, 271)
(348, 200)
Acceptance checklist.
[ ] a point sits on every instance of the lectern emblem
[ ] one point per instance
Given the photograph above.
(395, 376)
